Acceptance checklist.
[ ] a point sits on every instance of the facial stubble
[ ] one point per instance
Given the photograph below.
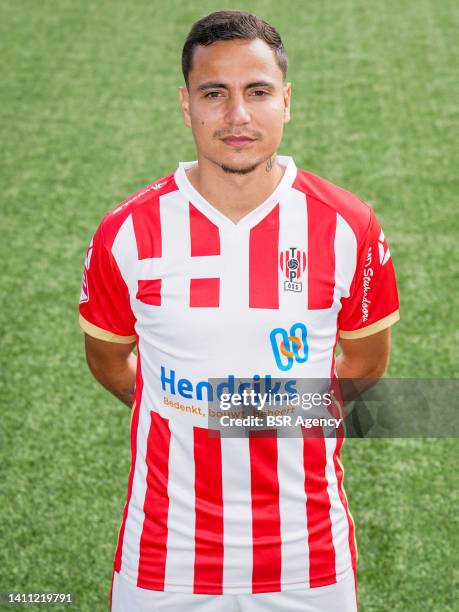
(248, 169)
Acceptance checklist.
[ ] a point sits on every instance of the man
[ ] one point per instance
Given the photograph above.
(237, 265)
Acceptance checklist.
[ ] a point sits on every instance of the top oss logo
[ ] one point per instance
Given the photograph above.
(289, 347)
(293, 263)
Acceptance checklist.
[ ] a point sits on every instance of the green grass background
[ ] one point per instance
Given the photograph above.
(89, 113)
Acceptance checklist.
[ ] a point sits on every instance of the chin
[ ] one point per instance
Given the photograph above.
(239, 169)
(241, 166)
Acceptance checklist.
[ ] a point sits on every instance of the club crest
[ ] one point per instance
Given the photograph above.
(293, 264)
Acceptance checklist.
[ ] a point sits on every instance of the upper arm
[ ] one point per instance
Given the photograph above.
(103, 355)
(114, 365)
(369, 354)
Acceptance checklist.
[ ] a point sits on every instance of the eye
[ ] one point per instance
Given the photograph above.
(259, 93)
(213, 94)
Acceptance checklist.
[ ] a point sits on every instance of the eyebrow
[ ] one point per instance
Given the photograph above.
(215, 85)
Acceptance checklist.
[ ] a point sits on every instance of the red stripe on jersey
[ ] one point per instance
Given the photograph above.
(147, 229)
(205, 292)
(205, 237)
(265, 514)
(321, 550)
(134, 426)
(264, 262)
(321, 252)
(153, 541)
(208, 564)
(149, 291)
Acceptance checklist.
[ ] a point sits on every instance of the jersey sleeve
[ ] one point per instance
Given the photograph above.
(373, 302)
(105, 310)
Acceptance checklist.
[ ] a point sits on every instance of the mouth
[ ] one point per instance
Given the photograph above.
(238, 141)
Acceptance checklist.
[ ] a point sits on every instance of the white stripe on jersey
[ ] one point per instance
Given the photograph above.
(293, 232)
(234, 270)
(345, 258)
(124, 250)
(176, 247)
(181, 517)
(237, 524)
(292, 508)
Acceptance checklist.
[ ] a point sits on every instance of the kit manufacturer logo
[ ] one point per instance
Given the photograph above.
(384, 253)
(84, 295)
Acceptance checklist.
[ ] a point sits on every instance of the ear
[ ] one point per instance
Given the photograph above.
(185, 104)
(287, 92)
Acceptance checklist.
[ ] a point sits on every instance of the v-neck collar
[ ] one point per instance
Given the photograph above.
(255, 215)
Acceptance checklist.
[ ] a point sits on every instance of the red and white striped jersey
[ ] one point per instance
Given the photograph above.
(201, 296)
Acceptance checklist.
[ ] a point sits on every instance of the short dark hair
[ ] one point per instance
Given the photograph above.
(232, 25)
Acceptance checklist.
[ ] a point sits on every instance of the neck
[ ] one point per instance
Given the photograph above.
(235, 195)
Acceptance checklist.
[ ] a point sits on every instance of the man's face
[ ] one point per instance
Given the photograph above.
(236, 103)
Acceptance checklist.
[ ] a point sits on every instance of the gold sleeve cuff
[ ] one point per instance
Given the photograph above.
(369, 330)
(103, 334)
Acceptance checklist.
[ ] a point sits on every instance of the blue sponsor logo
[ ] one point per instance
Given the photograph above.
(289, 347)
(204, 390)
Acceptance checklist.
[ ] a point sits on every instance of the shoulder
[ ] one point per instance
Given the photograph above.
(137, 204)
(354, 211)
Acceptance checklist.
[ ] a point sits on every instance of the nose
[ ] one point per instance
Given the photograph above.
(237, 112)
